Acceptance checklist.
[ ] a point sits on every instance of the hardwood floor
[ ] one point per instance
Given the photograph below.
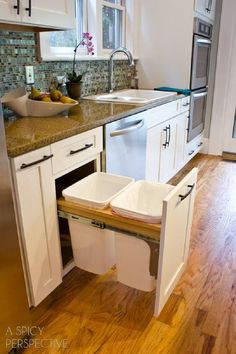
(95, 314)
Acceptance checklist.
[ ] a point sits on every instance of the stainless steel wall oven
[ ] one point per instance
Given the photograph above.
(199, 76)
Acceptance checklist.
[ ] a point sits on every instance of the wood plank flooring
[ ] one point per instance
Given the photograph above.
(95, 314)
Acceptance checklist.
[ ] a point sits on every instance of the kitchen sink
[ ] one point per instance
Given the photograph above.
(131, 96)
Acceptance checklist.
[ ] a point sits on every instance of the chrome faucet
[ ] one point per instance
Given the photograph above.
(110, 64)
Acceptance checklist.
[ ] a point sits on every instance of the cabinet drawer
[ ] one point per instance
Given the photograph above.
(193, 147)
(185, 104)
(32, 158)
(162, 113)
(71, 151)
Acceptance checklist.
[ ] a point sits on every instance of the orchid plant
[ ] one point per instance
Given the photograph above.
(87, 42)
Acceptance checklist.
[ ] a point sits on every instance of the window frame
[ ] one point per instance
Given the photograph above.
(120, 7)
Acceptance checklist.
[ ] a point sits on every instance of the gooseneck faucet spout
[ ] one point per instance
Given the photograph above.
(110, 64)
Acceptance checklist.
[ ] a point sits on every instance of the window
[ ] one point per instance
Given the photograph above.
(113, 24)
(104, 19)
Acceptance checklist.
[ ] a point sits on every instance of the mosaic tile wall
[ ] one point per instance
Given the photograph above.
(18, 49)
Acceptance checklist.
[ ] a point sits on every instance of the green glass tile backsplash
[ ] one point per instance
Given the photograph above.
(18, 49)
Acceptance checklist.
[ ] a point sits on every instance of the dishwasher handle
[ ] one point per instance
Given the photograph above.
(137, 125)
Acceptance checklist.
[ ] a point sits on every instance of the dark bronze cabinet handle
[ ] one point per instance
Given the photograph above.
(191, 186)
(87, 146)
(190, 153)
(45, 157)
(17, 7)
(29, 9)
(186, 104)
(200, 144)
(166, 142)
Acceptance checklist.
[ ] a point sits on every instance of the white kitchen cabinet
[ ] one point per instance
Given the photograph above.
(177, 216)
(76, 151)
(37, 215)
(39, 13)
(181, 139)
(206, 8)
(8, 12)
(193, 147)
(167, 153)
(160, 163)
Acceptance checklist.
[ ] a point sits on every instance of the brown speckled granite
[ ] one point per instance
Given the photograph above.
(28, 133)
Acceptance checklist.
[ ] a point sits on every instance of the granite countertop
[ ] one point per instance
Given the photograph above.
(25, 134)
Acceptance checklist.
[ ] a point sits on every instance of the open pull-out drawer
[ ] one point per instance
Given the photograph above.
(171, 236)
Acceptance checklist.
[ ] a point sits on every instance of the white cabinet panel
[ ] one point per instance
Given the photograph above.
(181, 139)
(206, 8)
(9, 11)
(153, 153)
(37, 211)
(42, 13)
(70, 152)
(167, 155)
(175, 235)
(49, 13)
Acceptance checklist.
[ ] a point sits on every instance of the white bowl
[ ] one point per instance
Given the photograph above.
(17, 100)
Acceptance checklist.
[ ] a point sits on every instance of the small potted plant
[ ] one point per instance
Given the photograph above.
(73, 85)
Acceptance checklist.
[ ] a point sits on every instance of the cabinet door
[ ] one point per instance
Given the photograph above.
(153, 153)
(181, 139)
(206, 8)
(175, 235)
(167, 155)
(36, 204)
(60, 13)
(8, 12)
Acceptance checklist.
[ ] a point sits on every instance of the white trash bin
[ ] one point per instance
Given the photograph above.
(94, 248)
(141, 201)
(133, 262)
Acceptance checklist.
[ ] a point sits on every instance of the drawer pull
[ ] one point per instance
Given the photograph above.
(29, 9)
(200, 144)
(87, 146)
(186, 104)
(166, 141)
(17, 7)
(191, 186)
(190, 153)
(168, 128)
(45, 157)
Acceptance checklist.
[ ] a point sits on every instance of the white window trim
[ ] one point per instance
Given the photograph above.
(92, 7)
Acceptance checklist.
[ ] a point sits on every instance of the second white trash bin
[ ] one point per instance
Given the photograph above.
(94, 248)
(141, 201)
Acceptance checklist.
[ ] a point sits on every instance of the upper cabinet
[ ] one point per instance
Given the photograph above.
(206, 8)
(39, 13)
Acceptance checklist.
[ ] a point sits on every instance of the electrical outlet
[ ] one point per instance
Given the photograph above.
(29, 74)
(61, 79)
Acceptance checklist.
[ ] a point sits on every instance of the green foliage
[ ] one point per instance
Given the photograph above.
(73, 77)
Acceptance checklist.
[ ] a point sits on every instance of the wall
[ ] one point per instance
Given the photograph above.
(223, 102)
(18, 49)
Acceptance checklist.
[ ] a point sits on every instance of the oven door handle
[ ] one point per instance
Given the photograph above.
(203, 41)
(137, 125)
(198, 95)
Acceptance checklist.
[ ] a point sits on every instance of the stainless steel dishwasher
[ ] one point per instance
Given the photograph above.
(125, 146)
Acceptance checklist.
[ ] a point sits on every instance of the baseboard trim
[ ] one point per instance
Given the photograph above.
(228, 156)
